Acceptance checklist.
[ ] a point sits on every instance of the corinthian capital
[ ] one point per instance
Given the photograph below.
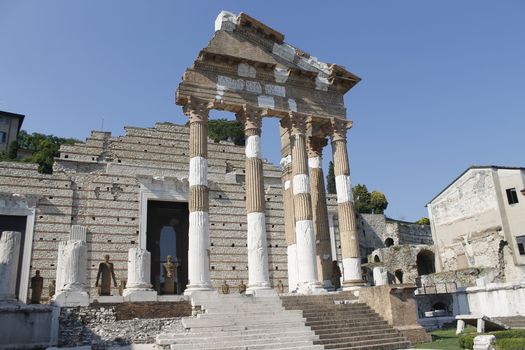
(197, 110)
(339, 127)
(251, 118)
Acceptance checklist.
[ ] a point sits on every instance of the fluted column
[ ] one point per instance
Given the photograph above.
(258, 275)
(9, 255)
(198, 201)
(289, 219)
(352, 275)
(319, 210)
(304, 227)
(138, 286)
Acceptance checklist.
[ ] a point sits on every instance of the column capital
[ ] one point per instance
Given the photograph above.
(297, 123)
(251, 117)
(197, 110)
(315, 145)
(339, 127)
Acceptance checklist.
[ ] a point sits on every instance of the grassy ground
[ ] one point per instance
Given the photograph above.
(444, 339)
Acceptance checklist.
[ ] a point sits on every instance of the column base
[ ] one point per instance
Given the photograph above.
(139, 294)
(192, 288)
(311, 288)
(71, 298)
(353, 285)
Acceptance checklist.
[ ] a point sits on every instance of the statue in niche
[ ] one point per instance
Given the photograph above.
(280, 287)
(241, 287)
(169, 269)
(122, 286)
(37, 285)
(336, 275)
(51, 289)
(105, 269)
(225, 288)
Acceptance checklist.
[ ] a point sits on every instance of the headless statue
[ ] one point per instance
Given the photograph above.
(280, 287)
(170, 276)
(225, 288)
(37, 284)
(241, 287)
(105, 270)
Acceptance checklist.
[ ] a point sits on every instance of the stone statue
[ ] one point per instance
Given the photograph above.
(37, 285)
(336, 275)
(280, 287)
(170, 276)
(105, 269)
(121, 287)
(225, 288)
(241, 287)
(51, 289)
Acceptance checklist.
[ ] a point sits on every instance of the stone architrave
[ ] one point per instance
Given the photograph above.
(198, 201)
(258, 275)
(9, 254)
(352, 275)
(304, 226)
(138, 286)
(72, 270)
(315, 146)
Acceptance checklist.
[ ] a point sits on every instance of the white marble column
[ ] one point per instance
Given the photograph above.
(304, 227)
(138, 286)
(72, 270)
(258, 275)
(9, 254)
(198, 202)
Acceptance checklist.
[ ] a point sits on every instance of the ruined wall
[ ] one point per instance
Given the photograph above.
(98, 185)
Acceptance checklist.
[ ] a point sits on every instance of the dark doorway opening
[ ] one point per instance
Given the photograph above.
(425, 263)
(15, 223)
(167, 234)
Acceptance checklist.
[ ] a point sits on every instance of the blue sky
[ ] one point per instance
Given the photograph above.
(442, 89)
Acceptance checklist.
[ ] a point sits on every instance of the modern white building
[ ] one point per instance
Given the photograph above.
(479, 221)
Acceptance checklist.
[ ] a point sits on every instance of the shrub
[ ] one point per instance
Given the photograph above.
(510, 344)
(466, 341)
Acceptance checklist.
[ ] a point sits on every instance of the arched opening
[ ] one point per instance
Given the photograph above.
(425, 262)
(389, 242)
(399, 276)
(376, 258)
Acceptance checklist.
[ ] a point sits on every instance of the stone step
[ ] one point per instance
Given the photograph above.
(218, 308)
(348, 321)
(346, 326)
(247, 345)
(338, 333)
(250, 318)
(234, 335)
(205, 333)
(378, 342)
(357, 338)
(239, 340)
(383, 346)
(276, 323)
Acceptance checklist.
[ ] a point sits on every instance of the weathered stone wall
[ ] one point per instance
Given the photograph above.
(102, 326)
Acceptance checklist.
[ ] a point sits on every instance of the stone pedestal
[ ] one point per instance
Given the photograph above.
(380, 276)
(397, 305)
(9, 254)
(71, 274)
(138, 286)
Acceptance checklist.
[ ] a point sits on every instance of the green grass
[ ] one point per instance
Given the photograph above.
(444, 339)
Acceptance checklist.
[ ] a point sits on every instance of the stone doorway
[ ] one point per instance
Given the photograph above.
(167, 234)
(15, 223)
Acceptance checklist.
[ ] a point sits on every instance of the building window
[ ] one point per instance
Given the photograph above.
(512, 196)
(521, 244)
(4, 120)
(3, 137)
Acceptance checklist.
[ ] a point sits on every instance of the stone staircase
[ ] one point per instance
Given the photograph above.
(343, 323)
(513, 321)
(236, 322)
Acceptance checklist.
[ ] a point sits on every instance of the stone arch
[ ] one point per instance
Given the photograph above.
(389, 242)
(399, 276)
(425, 262)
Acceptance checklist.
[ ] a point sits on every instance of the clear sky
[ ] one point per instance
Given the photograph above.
(442, 89)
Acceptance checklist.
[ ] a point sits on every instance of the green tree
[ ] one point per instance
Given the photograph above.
(362, 199)
(226, 130)
(378, 202)
(44, 149)
(423, 221)
(330, 179)
(12, 151)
